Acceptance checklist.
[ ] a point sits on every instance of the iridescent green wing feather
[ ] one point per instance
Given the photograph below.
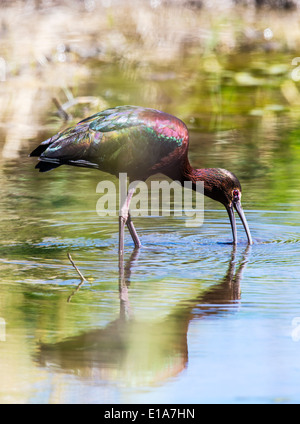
(123, 139)
(82, 140)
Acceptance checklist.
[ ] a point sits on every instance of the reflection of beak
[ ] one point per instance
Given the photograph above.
(238, 207)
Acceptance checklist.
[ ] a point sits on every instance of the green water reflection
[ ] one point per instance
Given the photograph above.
(186, 320)
(138, 352)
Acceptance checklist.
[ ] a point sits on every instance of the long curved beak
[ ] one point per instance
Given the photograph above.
(238, 207)
(230, 211)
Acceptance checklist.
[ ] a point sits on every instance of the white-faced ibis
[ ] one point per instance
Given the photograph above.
(140, 142)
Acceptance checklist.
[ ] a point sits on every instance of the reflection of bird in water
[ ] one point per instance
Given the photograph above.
(139, 142)
(138, 352)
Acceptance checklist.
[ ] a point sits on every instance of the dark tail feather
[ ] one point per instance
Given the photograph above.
(42, 147)
(39, 150)
(46, 166)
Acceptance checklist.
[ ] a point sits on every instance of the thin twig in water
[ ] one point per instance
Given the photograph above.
(80, 275)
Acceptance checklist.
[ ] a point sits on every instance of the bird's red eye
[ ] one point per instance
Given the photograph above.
(236, 193)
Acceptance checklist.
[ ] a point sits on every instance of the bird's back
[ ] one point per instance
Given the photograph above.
(131, 139)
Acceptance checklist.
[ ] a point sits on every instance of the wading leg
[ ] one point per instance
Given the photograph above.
(123, 219)
(133, 232)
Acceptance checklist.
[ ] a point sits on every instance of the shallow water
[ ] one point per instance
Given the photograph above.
(191, 319)
(198, 320)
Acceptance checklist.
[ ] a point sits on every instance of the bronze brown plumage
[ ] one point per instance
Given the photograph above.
(140, 142)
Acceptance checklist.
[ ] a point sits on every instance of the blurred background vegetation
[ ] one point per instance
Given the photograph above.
(213, 63)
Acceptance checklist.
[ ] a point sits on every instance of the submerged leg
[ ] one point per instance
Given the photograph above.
(133, 232)
(121, 240)
(124, 218)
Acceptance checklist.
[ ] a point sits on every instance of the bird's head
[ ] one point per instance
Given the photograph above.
(224, 187)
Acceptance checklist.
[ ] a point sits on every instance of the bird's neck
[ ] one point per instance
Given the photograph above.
(207, 175)
(192, 174)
